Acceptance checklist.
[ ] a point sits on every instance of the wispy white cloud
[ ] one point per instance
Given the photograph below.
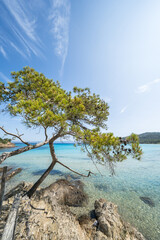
(143, 88)
(147, 87)
(59, 18)
(29, 47)
(156, 81)
(23, 26)
(18, 50)
(6, 79)
(124, 109)
(22, 16)
(3, 52)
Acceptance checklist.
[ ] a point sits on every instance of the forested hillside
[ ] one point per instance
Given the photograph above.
(149, 137)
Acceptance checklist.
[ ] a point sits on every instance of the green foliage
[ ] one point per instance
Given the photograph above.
(41, 102)
(5, 140)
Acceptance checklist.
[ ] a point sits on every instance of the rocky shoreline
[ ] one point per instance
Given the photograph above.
(47, 215)
(7, 145)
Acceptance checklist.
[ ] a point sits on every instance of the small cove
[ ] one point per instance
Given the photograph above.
(133, 180)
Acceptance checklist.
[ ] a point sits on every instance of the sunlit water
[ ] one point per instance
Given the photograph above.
(134, 179)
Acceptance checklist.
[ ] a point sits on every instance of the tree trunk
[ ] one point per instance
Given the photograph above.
(45, 174)
(9, 229)
(3, 181)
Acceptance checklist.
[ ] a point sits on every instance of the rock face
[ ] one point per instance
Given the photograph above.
(45, 217)
(7, 145)
(66, 192)
(111, 224)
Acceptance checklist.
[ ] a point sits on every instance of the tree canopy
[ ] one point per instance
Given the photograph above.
(41, 102)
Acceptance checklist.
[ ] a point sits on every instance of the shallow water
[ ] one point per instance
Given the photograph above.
(134, 179)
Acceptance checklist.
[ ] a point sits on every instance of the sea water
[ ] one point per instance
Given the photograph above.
(133, 179)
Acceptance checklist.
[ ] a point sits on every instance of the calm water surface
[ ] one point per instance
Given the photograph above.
(134, 179)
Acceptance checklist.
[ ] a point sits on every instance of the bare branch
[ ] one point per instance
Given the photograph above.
(90, 155)
(45, 132)
(13, 173)
(14, 135)
(112, 168)
(36, 208)
(89, 172)
(110, 162)
(5, 155)
(54, 137)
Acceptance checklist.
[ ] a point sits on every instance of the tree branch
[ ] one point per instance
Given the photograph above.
(89, 172)
(90, 155)
(110, 162)
(14, 135)
(5, 155)
(52, 139)
(45, 132)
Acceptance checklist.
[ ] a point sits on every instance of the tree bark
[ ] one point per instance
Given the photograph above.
(45, 174)
(5, 155)
(2, 187)
(13, 173)
(9, 230)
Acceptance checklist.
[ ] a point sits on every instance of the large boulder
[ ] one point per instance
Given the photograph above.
(46, 219)
(46, 216)
(67, 193)
(111, 224)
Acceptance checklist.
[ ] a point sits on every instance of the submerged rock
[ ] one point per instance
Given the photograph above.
(101, 187)
(148, 201)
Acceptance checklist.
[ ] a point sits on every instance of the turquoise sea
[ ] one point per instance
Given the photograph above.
(133, 179)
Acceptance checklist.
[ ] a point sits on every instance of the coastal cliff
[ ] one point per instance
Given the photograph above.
(7, 145)
(47, 215)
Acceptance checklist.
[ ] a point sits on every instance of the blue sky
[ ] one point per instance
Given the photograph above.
(113, 47)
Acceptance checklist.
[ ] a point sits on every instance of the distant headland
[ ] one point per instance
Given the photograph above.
(144, 138)
(150, 137)
(6, 143)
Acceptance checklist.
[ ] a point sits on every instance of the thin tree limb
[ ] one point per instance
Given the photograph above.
(45, 133)
(92, 160)
(52, 139)
(110, 162)
(8, 169)
(5, 155)
(14, 135)
(80, 174)
(13, 173)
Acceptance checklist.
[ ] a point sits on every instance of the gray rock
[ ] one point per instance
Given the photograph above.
(111, 224)
(45, 217)
(67, 193)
